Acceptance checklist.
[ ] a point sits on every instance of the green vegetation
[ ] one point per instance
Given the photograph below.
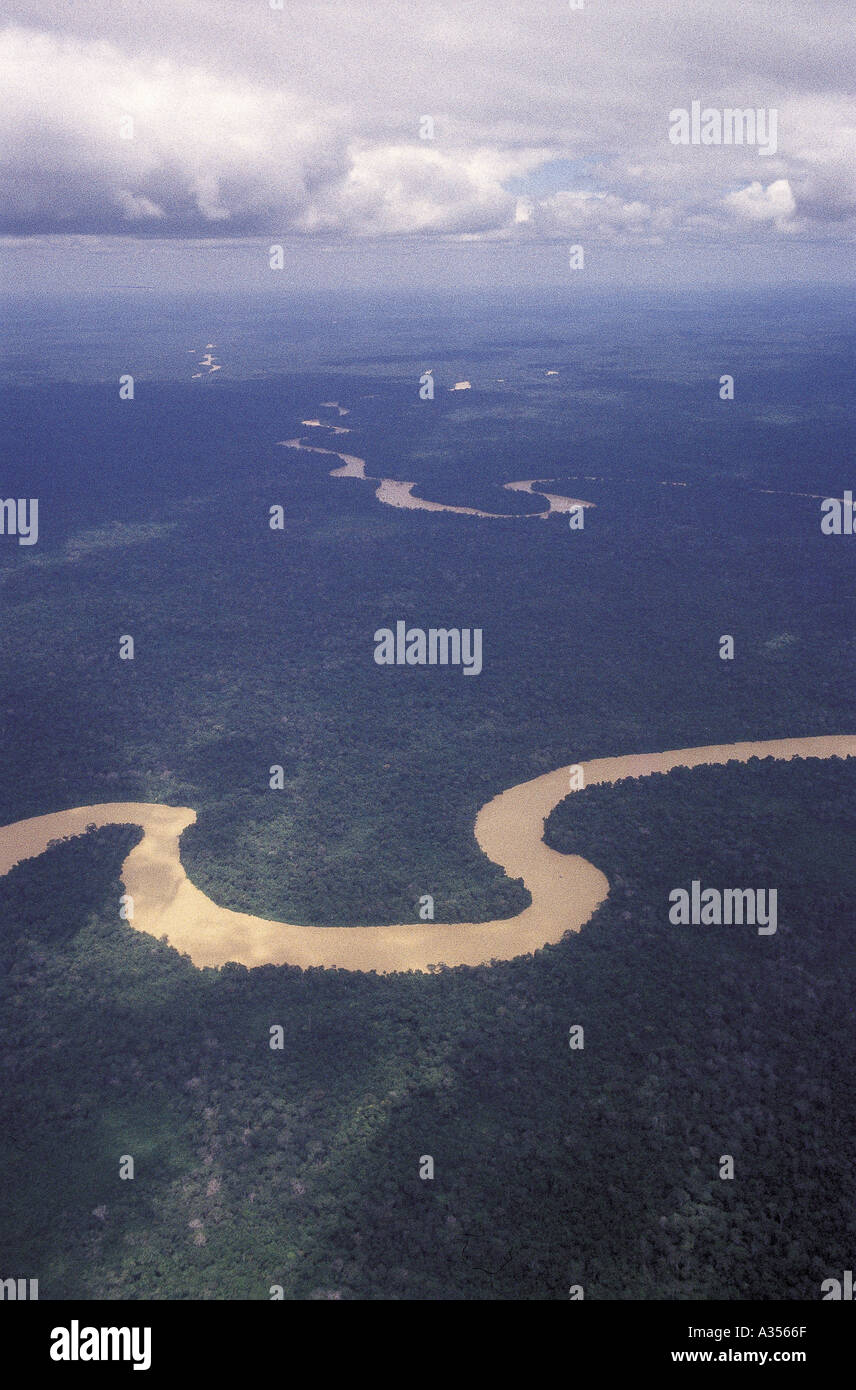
(254, 648)
(552, 1166)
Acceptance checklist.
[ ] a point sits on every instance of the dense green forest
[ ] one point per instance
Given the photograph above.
(253, 648)
(553, 1166)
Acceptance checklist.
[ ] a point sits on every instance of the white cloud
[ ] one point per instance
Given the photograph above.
(306, 121)
(775, 203)
(401, 189)
(204, 151)
(135, 209)
(207, 153)
(603, 215)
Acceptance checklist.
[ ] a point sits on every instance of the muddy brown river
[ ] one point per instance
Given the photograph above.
(565, 889)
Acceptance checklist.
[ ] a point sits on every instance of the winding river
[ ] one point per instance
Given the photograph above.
(400, 494)
(565, 889)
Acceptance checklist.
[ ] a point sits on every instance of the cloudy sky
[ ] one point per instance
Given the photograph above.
(193, 133)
